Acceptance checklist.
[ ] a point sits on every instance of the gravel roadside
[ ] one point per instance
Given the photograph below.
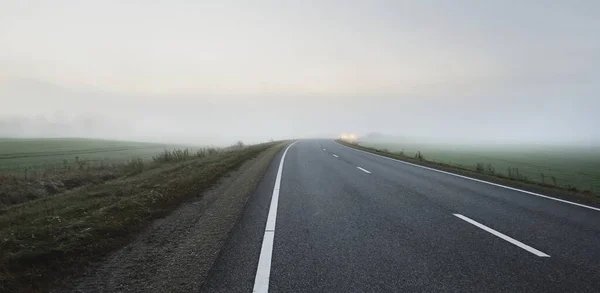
(175, 254)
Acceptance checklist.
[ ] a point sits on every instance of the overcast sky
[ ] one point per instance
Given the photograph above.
(207, 70)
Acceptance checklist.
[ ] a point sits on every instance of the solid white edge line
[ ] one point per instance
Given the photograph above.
(478, 180)
(335, 155)
(507, 238)
(364, 170)
(263, 271)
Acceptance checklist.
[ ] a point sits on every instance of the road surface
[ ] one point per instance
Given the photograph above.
(340, 220)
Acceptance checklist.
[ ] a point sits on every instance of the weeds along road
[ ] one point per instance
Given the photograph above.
(336, 219)
(176, 252)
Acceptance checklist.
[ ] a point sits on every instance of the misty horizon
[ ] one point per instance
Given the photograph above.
(218, 72)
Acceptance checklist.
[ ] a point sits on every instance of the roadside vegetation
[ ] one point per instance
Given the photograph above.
(512, 176)
(573, 166)
(35, 168)
(38, 156)
(55, 222)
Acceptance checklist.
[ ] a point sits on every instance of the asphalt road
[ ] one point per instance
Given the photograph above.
(349, 221)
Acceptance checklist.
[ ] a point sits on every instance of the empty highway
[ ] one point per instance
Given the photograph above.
(329, 218)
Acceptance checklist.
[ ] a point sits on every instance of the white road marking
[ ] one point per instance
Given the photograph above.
(364, 170)
(478, 180)
(496, 233)
(263, 272)
(324, 149)
(335, 156)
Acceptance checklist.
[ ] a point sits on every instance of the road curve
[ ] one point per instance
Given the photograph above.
(349, 221)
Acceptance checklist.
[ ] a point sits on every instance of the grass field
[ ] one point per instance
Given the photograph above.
(16, 155)
(36, 168)
(577, 167)
(51, 227)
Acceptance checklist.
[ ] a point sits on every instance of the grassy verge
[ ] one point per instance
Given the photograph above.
(484, 172)
(46, 238)
(570, 166)
(27, 186)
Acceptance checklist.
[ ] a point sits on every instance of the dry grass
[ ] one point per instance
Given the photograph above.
(58, 178)
(43, 239)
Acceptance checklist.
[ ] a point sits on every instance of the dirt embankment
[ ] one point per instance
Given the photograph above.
(175, 253)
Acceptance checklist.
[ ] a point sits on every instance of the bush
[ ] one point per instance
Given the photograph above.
(419, 156)
(174, 156)
(206, 152)
(543, 178)
(212, 151)
(479, 168)
(513, 173)
(181, 155)
(135, 166)
(163, 157)
(490, 169)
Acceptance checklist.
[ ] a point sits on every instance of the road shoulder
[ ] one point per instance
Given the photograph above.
(175, 253)
(235, 268)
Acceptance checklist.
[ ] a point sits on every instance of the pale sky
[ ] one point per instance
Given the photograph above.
(204, 70)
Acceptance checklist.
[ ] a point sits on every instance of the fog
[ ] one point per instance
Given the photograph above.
(216, 72)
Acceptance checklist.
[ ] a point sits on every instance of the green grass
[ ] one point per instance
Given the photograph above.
(571, 166)
(44, 239)
(16, 155)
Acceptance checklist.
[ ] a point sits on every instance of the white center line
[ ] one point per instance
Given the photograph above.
(511, 240)
(335, 155)
(364, 170)
(263, 272)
